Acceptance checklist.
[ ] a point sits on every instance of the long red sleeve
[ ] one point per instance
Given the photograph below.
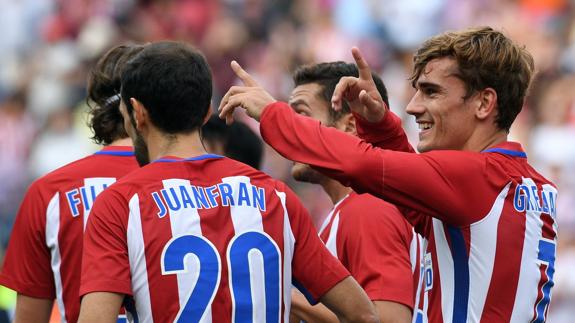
(430, 183)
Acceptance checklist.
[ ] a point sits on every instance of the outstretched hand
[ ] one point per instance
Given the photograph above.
(251, 97)
(360, 92)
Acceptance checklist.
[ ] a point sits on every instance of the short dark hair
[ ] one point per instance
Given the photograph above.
(485, 58)
(174, 83)
(104, 82)
(327, 75)
(238, 140)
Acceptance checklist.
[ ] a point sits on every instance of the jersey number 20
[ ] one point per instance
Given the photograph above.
(238, 258)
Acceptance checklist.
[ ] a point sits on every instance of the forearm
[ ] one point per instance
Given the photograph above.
(311, 313)
(401, 178)
(387, 133)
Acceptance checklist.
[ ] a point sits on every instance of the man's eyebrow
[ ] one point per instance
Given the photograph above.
(427, 85)
(297, 102)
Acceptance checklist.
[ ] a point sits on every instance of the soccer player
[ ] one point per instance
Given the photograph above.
(488, 216)
(236, 141)
(45, 250)
(198, 237)
(380, 252)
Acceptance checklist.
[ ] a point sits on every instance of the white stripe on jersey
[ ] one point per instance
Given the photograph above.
(289, 243)
(445, 262)
(413, 250)
(52, 230)
(186, 221)
(244, 217)
(483, 236)
(529, 274)
(247, 218)
(331, 242)
(420, 314)
(98, 183)
(137, 257)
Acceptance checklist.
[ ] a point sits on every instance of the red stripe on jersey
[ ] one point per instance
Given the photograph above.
(219, 229)
(542, 281)
(158, 234)
(506, 265)
(547, 231)
(434, 295)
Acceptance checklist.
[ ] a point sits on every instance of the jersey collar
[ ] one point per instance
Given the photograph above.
(171, 159)
(509, 148)
(125, 151)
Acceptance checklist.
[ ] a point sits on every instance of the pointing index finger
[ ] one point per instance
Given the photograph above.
(242, 74)
(362, 66)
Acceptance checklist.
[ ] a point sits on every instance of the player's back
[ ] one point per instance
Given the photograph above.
(510, 241)
(206, 237)
(45, 249)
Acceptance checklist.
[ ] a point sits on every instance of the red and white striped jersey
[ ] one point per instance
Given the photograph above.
(204, 239)
(45, 249)
(377, 245)
(488, 217)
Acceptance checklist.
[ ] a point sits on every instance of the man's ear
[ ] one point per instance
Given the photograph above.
(347, 124)
(487, 104)
(140, 114)
(208, 115)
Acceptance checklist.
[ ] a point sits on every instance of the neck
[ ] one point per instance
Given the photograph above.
(122, 142)
(484, 139)
(334, 189)
(178, 145)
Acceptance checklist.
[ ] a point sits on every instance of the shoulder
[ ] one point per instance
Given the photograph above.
(365, 212)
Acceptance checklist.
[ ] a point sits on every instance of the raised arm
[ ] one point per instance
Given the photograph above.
(428, 183)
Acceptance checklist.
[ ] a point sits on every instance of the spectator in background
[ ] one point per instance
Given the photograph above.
(17, 132)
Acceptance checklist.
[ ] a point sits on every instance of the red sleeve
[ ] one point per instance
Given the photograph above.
(105, 262)
(373, 242)
(315, 270)
(431, 183)
(27, 267)
(387, 133)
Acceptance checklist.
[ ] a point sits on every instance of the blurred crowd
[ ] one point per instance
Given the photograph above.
(48, 46)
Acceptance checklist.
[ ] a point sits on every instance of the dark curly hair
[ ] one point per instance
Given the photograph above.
(104, 83)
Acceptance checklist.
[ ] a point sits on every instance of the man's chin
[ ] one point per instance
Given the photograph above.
(423, 147)
(306, 174)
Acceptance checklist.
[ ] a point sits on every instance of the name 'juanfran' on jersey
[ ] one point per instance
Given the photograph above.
(189, 196)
